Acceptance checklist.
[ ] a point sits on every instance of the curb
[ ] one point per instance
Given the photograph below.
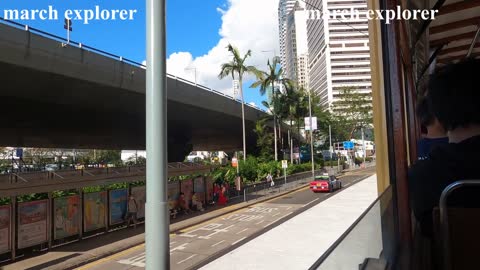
(76, 262)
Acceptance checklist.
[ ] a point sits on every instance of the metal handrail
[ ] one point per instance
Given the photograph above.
(110, 55)
(444, 217)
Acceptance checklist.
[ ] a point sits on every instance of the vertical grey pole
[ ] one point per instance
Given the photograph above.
(311, 132)
(364, 149)
(291, 151)
(157, 217)
(243, 120)
(13, 226)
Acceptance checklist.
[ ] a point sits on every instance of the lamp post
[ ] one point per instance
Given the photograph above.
(157, 241)
(311, 131)
(195, 70)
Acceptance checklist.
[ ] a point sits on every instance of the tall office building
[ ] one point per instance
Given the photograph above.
(338, 49)
(284, 8)
(296, 49)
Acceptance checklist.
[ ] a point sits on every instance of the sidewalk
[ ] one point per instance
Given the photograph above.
(312, 233)
(88, 250)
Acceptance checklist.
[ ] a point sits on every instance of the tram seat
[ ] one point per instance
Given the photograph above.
(461, 242)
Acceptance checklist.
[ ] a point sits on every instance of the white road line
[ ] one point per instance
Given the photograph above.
(238, 240)
(311, 202)
(171, 243)
(288, 208)
(182, 261)
(276, 214)
(242, 231)
(277, 220)
(346, 185)
(261, 221)
(218, 243)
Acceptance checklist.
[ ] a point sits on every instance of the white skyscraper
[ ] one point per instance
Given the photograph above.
(338, 49)
(296, 49)
(284, 8)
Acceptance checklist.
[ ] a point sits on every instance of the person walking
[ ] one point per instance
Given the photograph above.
(132, 209)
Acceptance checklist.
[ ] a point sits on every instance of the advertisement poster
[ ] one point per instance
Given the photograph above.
(66, 219)
(94, 210)
(173, 190)
(140, 195)
(199, 188)
(187, 188)
(209, 189)
(4, 228)
(118, 205)
(32, 223)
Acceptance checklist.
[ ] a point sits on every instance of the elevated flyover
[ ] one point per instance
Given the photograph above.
(78, 97)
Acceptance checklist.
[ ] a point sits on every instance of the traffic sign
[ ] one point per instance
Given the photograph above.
(307, 123)
(284, 164)
(234, 162)
(348, 145)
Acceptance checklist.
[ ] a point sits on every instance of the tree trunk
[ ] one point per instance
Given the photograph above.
(275, 135)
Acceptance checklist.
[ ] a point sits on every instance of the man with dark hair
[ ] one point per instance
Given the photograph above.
(435, 133)
(454, 95)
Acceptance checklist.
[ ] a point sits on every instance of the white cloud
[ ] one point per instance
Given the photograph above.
(246, 24)
(252, 103)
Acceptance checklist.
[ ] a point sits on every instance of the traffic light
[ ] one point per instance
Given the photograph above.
(68, 24)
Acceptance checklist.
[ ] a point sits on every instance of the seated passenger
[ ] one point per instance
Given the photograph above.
(454, 96)
(435, 133)
(183, 204)
(196, 202)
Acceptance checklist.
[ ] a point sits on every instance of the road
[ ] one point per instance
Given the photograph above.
(195, 246)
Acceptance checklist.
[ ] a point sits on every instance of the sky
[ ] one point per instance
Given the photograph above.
(197, 33)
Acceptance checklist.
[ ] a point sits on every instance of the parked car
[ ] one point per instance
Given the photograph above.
(325, 183)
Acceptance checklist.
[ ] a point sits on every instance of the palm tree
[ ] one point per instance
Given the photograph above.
(237, 67)
(267, 79)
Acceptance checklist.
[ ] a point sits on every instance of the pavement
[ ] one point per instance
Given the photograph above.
(212, 233)
(299, 242)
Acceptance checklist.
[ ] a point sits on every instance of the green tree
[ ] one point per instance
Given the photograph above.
(264, 140)
(269, 78)
(237, 67)
(354, 109)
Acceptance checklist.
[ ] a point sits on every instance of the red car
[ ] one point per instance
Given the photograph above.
(325, 183)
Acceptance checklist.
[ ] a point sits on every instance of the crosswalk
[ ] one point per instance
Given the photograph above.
(138, 260)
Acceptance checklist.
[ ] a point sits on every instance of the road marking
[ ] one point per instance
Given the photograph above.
(182, 261)
(242, 231)
(261, 221)
(218, 243)
(276, 214)
(311, 202)
(171, 243)
(346, 185)
(277, 220)
(109, 258)
(288, 208)
(181, 247)
(238, 240)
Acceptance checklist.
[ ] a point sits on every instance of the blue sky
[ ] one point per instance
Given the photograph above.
(192, 26)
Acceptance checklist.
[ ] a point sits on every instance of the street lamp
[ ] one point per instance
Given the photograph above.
(195, 69)
(311, 131)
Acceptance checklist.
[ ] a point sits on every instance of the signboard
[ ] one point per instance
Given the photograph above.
(4, 228)
(307, 123)
(94, 210)
(284, 164)
(234, 162)
(348, 145)
(140, 195)
(66, 220)
(118, 206)
(32, 223)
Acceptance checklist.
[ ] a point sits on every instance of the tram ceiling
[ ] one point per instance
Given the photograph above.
(456, 29)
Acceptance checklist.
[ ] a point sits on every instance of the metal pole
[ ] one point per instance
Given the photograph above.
(285, 176)
(331, 147)
(311, 132)
(364, 149)
(157, 240)
(291, 151)
(243, 122)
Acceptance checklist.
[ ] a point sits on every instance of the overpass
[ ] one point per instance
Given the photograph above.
(78, 97)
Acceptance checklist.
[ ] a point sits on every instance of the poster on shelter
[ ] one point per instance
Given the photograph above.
(118, 206)
(140, 195)
(32, 223)
(4, 228)
(66, 211)
(187, 188)
(209, 189)
(199, 188)
(173, 190)
(94, 210)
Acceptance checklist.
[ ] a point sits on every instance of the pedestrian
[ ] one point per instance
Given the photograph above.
(270, 182)
(132, 209)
